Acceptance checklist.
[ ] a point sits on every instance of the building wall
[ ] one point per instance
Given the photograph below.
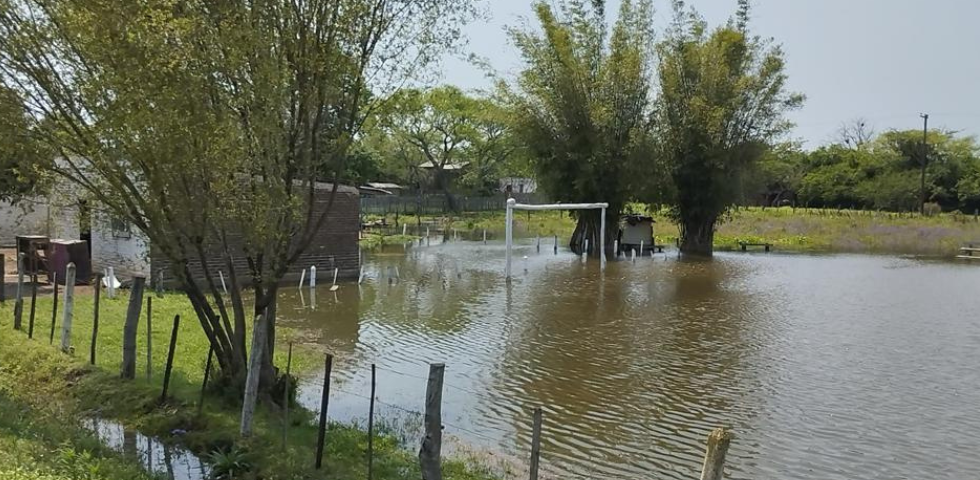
(334, 246)
(27, 217)
(126, 251)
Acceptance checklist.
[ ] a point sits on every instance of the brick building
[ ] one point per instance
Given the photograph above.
(334, 246)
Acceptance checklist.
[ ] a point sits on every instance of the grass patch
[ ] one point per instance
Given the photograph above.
(56, 390)
(789, 229)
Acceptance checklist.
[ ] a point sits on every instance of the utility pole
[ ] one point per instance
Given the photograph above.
(924, 159)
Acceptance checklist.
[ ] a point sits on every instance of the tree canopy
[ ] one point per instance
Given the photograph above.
(581, 104)
(198, 120)
(722, 99)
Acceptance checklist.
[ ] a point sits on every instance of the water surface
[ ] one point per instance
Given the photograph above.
(827, 367)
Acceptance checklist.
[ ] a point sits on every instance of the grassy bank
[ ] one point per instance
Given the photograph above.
(54, 391)
(800, 230)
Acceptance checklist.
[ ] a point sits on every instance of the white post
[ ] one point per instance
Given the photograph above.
(426, 233)
(455, 235)
(633, 256)
(585, 251)
(302, 278)
(602, 239)
(616, 248)
(398, 274)
(360, 275)
(539, 243)
(484, 236)
(641, 248)
(313, 276)
(112, 283)
(69, 308)
(404, 229)
(223, 286)
(509, 231)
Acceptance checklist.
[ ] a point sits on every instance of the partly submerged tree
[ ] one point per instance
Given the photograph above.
(722, 100)
(206, 123)
(582, 103)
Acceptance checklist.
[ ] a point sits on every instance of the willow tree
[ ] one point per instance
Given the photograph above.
(582, 103)
(206, 121)
(722, 100)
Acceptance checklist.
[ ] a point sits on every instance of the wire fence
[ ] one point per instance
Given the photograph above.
(440, 204)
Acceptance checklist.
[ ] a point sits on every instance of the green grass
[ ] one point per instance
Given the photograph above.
(56, 390)
(795, 230)
(36, 445)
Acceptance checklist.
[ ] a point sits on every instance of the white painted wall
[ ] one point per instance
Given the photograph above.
(27, 217)
(129, 257)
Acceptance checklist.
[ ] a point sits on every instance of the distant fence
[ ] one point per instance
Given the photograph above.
(436, 204)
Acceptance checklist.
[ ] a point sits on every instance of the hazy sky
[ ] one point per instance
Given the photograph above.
(884, 60)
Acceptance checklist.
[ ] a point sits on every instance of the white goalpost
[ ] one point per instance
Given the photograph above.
(513, 205)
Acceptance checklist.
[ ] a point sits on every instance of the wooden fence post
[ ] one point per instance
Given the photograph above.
(54, 310)
(3, 274)
(149, 339)
(66, 320)
(19, 300)
(285, 397)
(128, 369)
(259, 331)
(431, 451)
(374, 383)
(95, 317)
(170, 358)
(714, 456)
(30, 320)
(536, 444)
(204, 384)
(324, 403)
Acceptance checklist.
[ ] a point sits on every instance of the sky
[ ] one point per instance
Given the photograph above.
(885, 61)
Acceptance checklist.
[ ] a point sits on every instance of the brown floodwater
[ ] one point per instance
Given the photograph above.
(827, 367)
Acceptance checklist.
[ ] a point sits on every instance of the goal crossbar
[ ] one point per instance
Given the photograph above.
(513, 205)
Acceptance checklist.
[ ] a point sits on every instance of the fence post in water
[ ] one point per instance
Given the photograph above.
(66, 320)
(313, 276)
(170, 358)
(484, 236)
(431, 451)
(285, 397)
(324, 403)
(539, 243)
(204, 384)
(536, 444)
(95, 318)
(556, 244)
(128, 369)
(585, 251)
(374, 382)
(149, 338)
(302, 278)
(19, 300)
(30, 320)
(252, 379)
(224, 287)
(54, 310)
(336, 270)
(714, 456)
(616, 248)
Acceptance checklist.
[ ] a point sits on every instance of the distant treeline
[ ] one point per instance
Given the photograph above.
(875, 172)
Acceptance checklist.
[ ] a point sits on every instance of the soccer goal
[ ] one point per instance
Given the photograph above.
(513, 205)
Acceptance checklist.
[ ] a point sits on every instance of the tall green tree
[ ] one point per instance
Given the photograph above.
(581, 105)
(199, 121)
(722, 100)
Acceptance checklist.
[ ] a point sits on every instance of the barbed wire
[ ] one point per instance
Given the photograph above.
(420, 414)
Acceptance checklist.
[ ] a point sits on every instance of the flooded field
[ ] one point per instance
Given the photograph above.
(829, 367)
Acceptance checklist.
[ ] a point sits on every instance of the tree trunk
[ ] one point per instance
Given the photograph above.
(587, 227)
(266, 306)
(697, 237)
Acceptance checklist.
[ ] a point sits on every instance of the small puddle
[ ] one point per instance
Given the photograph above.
(154, 456)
